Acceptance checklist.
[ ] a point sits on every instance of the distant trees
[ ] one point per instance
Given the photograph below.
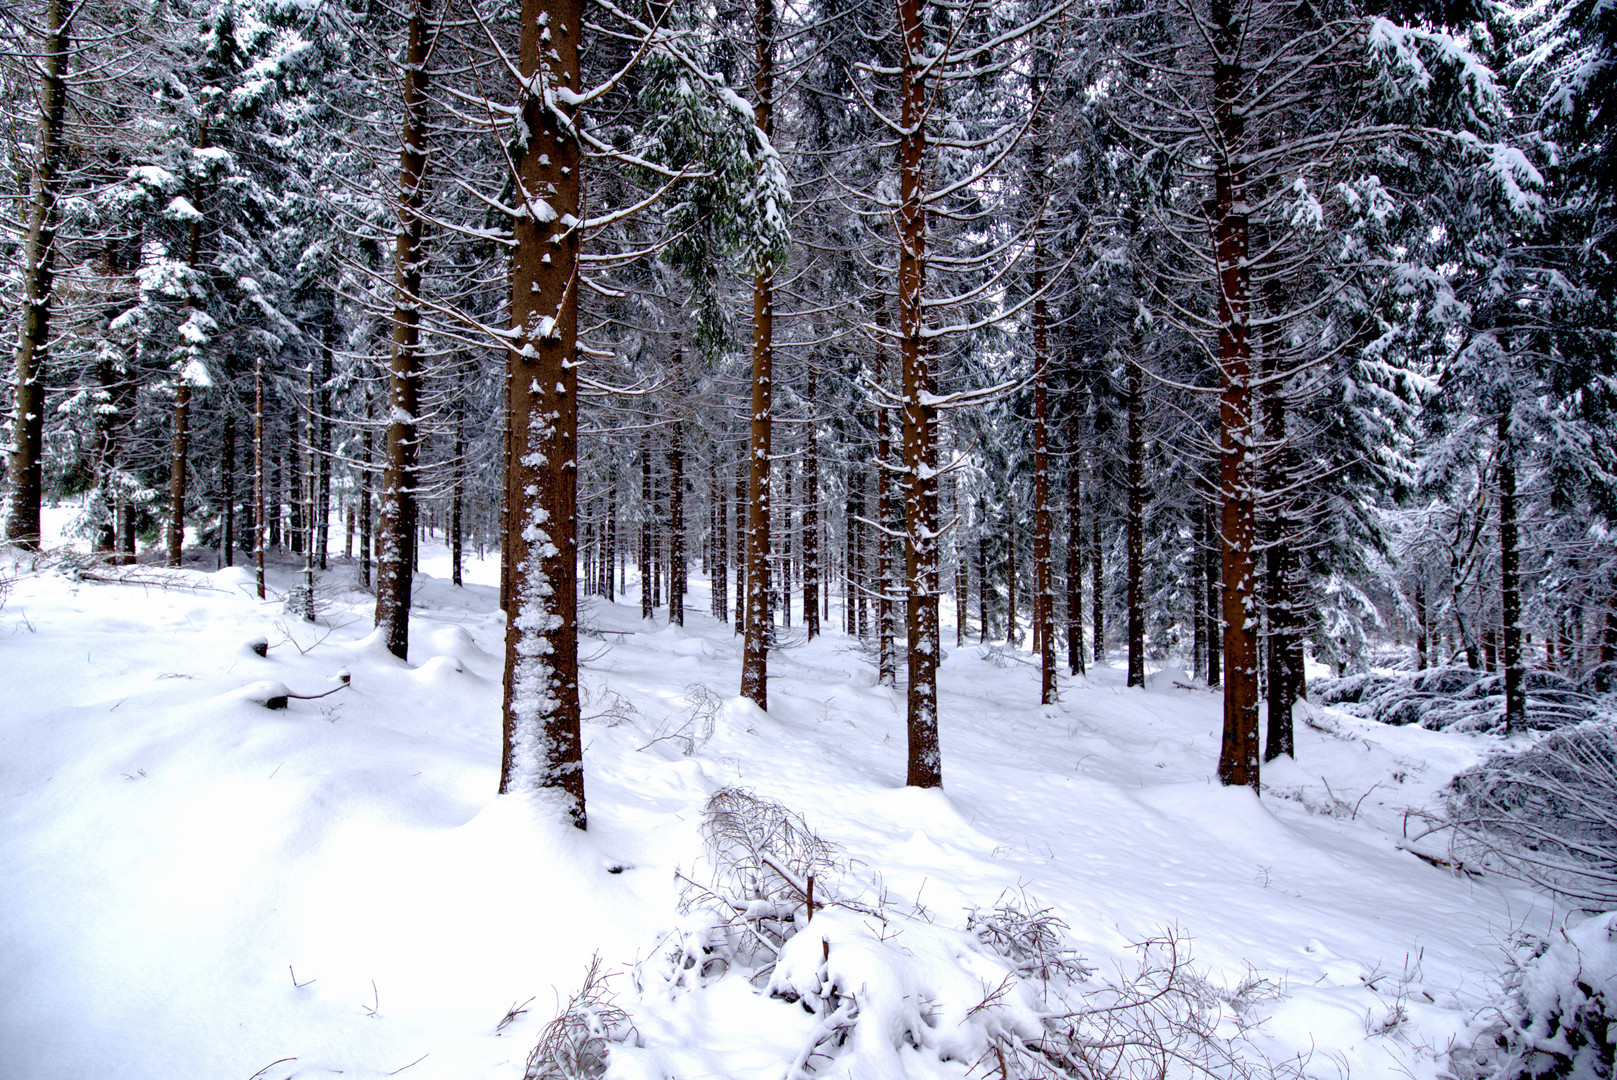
(1236, 334)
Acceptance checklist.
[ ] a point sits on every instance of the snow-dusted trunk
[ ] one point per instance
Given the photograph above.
(677, 569)
(811, 519)
(1215, 636)
(607, 590)
(543, 743)
(1044, 623)
(1011, 616)
(755, 647)
(920, 434)
(365, 482)
(1238, 753)
(1097, 577)
(457, 496)
(1510, 589)
(227, 488)
(396, 531)
(260, 508)
(179, 450)
(1136, 520)
(719, 572)
(25, 465)
(323, 447)
(886, 660)
(1075, 563)
(1283, 650)
(743, 475)
(647, 609)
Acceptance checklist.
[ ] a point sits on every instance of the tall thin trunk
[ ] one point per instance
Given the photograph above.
(721, 544)
(886, 661)
(25, 466)
(755, 648)
(323, 447)
(1238, 753)
(647, 606)
(260, 510)
(811, 519)
(1214, 585)
(395, 557)
(1510, 595)
(962, 576)
(1097, 581)
(457, 496)
(1044, 623)
(227, 488)
(543, 740)
(984, 593)
(1283, 681)
(607, 590)
(1012, 629)
(1075, 568)
(743, 475)
(920, 456)
(1421, 660)
(677, 568)
(1136, 522)
(365, 482)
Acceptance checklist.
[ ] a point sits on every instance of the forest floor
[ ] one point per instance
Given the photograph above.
(194, 886)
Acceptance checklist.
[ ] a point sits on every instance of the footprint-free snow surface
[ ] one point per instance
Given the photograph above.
(196, 887)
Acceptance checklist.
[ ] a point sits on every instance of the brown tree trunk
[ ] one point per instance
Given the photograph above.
(26, 464)
(1136, 522)
(743, 475)
(647, 605)
(1097, 580)
(260, 510)
(920, 445)
(1215, 622)
(1075, 566)
(227, 488)
(396, 539)
(755, 648)
(677, 569)
(1011, 540)
(886, 660)
(1238, 754)
(178, 451)
(457, 497)
(323, 449)
(543, 741)
(811, 520)
(1510, 596)
(1282, 680)
(1044, 625)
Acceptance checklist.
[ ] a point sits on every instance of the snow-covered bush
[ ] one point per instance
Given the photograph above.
(1556, 1019)
(1457, 698)
(893, 994)
(1547, 813)
(576, 1045)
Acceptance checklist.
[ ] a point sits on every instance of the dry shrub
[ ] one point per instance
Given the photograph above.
(578, 1042)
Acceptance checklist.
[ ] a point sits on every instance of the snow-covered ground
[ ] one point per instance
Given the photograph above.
(194, 886)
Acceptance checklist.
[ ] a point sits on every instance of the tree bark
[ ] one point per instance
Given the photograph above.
(457, 496)
(1238, 753)
(1510, 596)
(1097, 580)
(920, 446)
(227, 488)
(755, 648)
(1136, 522)
(260, 510)
(811, 519)
(647, 606)
(886, 660)
(543, 740)
(677, 569)
(1044, 625)
(395, 557)
(26, 463)
(1075, 566)
(1215, 622)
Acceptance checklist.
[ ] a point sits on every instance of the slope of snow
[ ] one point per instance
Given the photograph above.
(193, 885)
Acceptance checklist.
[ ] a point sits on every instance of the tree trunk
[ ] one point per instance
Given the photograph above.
(1215, 622)
(365, 481)
(1075, 566)
(457, 496)
(886, 661)
(260, 510)
(178, 452)
(920, 446)
(720, 571)
(1238, 754)
(1510, 596)
(1097, 580)
(755, 648)
(26, 464)
(323, 449)
(677, 569)
(811, 520)
(1044, 625)
(1136, 522)
(1011, 628)
(227, 489)
(647, 607)
(543, 741)
(395, 557)
(1283, 681)
(743, 475)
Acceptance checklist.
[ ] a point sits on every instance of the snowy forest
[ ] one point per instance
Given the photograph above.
(1207, 398)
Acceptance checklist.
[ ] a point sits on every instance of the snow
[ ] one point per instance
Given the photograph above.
(196, 886)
